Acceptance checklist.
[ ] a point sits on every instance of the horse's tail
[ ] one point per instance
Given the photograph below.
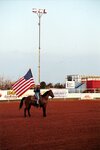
(21, 103)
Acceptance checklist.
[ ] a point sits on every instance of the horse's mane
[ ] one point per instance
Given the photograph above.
(45, 94)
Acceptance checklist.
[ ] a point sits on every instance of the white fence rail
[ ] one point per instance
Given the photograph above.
(7, 95)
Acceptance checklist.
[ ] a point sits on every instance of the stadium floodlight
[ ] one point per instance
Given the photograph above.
(39, 12)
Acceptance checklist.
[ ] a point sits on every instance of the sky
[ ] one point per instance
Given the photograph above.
(70, 39)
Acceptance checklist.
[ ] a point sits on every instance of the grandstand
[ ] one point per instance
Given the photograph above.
(83, 84)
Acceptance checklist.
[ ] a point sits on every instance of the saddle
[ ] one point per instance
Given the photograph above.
(35, 98)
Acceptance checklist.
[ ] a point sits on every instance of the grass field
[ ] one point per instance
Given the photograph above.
(69, 125)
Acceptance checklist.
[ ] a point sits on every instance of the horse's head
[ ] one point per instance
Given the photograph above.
(51, 93)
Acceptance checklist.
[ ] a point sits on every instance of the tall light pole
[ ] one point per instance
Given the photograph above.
(39, 13)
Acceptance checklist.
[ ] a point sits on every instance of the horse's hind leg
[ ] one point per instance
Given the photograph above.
(28, 109)
(24, 112)
(29, 112)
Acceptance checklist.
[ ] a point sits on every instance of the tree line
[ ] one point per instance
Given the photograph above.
(6, 84)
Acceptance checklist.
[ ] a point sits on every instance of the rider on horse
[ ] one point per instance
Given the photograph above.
(37, 93)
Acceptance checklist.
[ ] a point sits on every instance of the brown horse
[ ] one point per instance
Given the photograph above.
(31, 100)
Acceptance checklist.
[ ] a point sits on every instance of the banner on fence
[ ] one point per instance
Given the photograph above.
(8, 95)
(11, 95)
(60, 93)
(87, 96)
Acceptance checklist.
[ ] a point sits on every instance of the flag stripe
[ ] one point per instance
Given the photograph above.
(23, 91)
(23, 84)
(17, 82)
(22, 87)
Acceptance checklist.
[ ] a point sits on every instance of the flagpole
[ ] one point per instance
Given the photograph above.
(39, 13)
(39, 49)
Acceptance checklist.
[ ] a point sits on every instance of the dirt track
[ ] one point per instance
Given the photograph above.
(69, 125)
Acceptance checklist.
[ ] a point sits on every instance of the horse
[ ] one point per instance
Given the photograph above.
(31, 100)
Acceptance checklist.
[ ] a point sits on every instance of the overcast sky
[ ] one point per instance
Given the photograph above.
(70, 38)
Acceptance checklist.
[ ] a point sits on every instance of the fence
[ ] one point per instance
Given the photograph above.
(7, 95)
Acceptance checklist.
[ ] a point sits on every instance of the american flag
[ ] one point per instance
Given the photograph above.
(23, 84)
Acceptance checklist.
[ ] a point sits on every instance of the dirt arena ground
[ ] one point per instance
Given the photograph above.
(69, 125)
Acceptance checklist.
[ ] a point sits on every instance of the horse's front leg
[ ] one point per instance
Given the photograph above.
(44, 110)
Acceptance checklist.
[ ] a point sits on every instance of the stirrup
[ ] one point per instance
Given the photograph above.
(37, 105)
